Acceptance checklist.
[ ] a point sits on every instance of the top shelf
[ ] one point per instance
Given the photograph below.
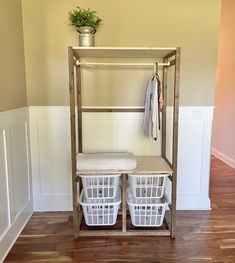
(123, 52)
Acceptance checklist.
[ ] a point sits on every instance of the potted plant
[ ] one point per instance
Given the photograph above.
(86, 23)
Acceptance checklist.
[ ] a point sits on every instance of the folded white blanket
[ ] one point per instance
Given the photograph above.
(105, 161)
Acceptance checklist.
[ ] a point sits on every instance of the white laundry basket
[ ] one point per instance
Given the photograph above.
(100, 186)
(147, 185)
(146, 212)
(100, 212)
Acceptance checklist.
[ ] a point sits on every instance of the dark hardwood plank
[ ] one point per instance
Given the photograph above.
(201, 236)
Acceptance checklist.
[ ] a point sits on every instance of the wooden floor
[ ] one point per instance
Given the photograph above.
(202, 236)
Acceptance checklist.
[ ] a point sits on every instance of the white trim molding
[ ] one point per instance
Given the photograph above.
(223, 157)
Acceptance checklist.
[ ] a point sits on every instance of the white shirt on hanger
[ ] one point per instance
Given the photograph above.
(151, 113)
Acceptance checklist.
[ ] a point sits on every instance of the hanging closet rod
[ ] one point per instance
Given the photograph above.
(167, 64)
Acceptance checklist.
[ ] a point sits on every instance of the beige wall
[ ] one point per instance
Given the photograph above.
(224, 118)
(192, 25)
(12, 65)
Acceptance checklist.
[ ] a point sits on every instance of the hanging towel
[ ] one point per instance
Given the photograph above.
(153, 102)
(161, 101)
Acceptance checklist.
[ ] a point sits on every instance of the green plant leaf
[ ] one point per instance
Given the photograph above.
(82, 17)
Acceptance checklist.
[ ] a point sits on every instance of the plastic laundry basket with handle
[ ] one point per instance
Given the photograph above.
(100, 186)
(147, 185)
(146, 212)
(100, 212)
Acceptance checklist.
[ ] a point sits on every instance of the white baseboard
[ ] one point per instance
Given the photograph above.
(14, 231)
(223, 157)
(193, 202)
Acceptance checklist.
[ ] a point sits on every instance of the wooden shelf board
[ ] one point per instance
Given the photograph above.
(123, 52)
(90, 233)
(116, 230)
(145, 165)
(152, 164)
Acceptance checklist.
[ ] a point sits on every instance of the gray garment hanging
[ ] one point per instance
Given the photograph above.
(151, 112)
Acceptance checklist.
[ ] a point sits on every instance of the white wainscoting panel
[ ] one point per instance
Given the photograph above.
(50, 151)
(49, 134)
(117, 132)
(99, 134)
(19, 166)
(189, 168)
(15, 177)
(51, 165)
(194, 152)
(130, 136)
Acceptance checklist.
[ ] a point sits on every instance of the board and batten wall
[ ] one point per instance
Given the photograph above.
(16, 204)
(50, 151)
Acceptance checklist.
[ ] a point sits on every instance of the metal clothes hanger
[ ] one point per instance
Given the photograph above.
(155, 71)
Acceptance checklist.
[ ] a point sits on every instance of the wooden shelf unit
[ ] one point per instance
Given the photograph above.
(145, 164)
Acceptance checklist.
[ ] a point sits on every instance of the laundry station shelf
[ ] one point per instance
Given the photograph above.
(168, 57)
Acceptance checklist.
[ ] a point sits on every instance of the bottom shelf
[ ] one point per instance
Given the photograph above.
(116, 230)
(90, 233)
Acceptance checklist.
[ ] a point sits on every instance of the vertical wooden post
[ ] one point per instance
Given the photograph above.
(124, 202)
(73, 140)
(79, 122)
(79, 107)
(175, 139)
(164, 87)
